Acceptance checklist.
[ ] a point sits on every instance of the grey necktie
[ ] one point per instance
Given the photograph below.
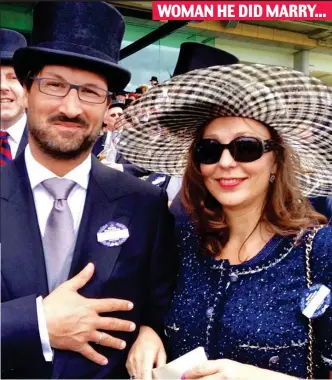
(59, 233)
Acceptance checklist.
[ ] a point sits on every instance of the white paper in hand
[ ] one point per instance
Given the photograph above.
(176, 368)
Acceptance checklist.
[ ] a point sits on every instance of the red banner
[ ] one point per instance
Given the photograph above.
(242, 10)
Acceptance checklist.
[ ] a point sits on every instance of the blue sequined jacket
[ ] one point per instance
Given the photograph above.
(251, 312)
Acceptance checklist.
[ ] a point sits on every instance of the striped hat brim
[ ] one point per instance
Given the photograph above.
(158, 129)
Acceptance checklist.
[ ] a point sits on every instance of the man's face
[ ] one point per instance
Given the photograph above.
(12, 101)
(112, 115)
(65, 127)
(121, 98)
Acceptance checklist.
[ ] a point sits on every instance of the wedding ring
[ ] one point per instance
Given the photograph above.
(100, 338)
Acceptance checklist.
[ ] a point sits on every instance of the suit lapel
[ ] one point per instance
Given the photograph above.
(22, 250)
(24, 141)
(106, 201)
(100, 209)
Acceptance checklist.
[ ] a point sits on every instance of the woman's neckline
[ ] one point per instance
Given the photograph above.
(260, 257)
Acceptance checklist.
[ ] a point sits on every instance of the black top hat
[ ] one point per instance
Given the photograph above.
(154, 78)
(194, 55)
(117, 104)
(10, 40)
(87, 35)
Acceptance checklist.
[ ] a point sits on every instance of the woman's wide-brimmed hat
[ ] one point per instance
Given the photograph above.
(87, 35)
(298, 107)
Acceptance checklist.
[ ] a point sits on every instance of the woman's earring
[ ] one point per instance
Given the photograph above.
(272, 178)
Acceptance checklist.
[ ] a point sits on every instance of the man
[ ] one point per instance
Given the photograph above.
(13, 134)
(115, 110)
(154, 81)
(113, 158)
(121, 96)
(86, 250)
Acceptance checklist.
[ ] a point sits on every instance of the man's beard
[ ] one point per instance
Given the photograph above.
(60, 149)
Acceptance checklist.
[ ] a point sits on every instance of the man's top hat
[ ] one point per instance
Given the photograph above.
(10, 40)
(86, 35)
(194, 55)
(116, 104)
(154, 78)
(121, 93)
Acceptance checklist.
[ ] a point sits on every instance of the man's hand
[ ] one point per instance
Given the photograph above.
(73, 320)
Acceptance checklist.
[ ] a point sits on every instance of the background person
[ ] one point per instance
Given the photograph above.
(13, 134)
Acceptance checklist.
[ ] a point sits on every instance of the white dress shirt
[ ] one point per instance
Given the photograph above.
(173, 187)
(15, 134)
(37, 173)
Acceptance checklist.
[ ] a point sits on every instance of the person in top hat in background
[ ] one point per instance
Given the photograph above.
(154, 81)
(114, 111)
(113, 158)
(121, 96)
(87, 255)
(13, 134)
(195, 55)
(192, 56)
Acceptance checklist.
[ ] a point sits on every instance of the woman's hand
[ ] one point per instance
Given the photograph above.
(147, 351)
(225, 369)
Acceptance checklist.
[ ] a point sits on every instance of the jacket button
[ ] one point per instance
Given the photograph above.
(274, 360)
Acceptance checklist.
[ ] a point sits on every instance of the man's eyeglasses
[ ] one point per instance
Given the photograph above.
(242, 149)
(60, 89)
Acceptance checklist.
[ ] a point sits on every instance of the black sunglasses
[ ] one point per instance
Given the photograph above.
(242, 149)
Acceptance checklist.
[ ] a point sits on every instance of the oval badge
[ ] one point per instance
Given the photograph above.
(112, 234)
(315, 300)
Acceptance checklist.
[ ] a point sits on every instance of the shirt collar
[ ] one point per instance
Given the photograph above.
(38, 173)
(16, 130)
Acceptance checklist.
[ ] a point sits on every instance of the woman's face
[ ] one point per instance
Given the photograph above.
(237, 185)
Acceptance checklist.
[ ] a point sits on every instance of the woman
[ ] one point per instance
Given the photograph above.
(254, 252)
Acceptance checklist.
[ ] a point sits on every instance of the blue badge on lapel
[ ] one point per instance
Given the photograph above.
(112, 234)
(315, 301)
